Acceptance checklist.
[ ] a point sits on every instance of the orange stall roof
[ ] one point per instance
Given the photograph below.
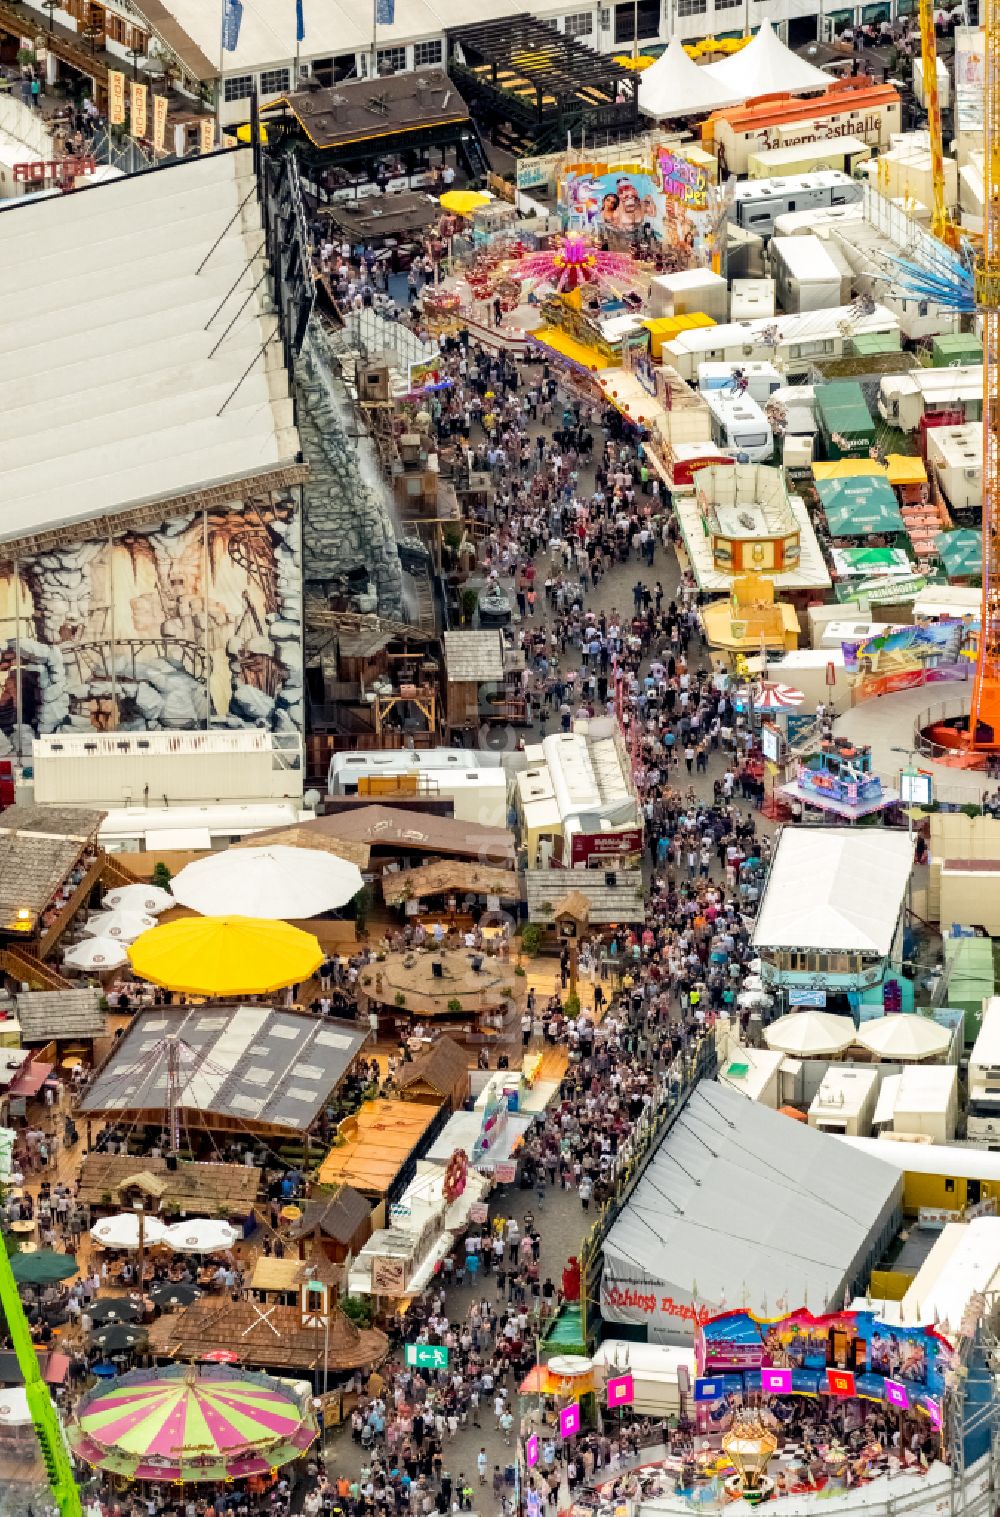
(767, 110)
(376, 1142)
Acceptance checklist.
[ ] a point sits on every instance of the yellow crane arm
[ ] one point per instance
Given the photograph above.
(928, 59)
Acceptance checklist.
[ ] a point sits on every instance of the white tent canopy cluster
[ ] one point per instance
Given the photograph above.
(198, 1235)
(676, 86)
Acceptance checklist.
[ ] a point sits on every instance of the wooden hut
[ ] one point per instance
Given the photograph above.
(473, 660)
(440, 1076)
(338, 1222)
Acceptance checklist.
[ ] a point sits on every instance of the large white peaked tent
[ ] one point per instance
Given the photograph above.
(676, 86)
(765, 67)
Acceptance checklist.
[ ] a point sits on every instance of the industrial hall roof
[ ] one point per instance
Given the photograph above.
(39, 845)
(417, 832)
(249, 1065)
(227, 1190)
(267, 31)
(185, 389)
(368, 108)
(738, 1199)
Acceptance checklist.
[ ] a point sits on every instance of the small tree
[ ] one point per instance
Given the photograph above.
(531, 939)
(161, 876)
(359, 1309)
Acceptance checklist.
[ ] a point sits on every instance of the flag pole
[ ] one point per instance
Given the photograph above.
(218, 92)
(374, 67)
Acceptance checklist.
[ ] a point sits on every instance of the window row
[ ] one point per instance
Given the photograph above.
(273, 81)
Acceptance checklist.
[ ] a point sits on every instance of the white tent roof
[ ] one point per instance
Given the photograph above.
(834, 889)
(964, 1260)
(765, 66)
(677, 86)
(740, 1202)
(810, 1033)
(162, 266)
(904, 1036)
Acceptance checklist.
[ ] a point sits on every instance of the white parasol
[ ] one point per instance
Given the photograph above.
(904, 1036)
(122, 1231)
(769, 695)
(808, 1033)
(284, 884)
(14, 1409)
(200, 1235)
(95, 955)
(145, 898)
(125, 926)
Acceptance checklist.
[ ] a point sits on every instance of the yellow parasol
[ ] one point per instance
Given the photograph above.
(634, 65)
(243, 133)
(225, 956)
(463, 202)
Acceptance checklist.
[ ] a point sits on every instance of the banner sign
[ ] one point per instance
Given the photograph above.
(159, 121)
(585, 846)
(569, 1420)
(838, 1354)
(206, 134)
(116, 97)
(138, 108)
(621, 1391)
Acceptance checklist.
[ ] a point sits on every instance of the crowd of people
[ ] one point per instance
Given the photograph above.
(573, 501)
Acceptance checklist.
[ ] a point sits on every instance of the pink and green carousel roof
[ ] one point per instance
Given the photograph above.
(190, 1424)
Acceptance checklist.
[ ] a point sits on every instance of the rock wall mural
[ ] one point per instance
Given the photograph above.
(191, 621)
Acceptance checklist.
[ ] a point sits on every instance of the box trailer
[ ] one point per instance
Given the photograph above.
(842, 153)
(751, 297)
(805, 276)
(689, 291)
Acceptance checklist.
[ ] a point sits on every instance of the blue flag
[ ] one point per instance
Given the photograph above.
(300, 22)
(385, 12)
(232, 16)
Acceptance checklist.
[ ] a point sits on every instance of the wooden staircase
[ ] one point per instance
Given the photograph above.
(115, 874)
(23, 967)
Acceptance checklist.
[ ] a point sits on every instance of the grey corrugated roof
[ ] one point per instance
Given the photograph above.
(751, 1206)
(474, 655)
(253, 1064)
(620, 902)
(46, 1014)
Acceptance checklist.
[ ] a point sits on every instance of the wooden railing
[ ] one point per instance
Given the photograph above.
(27, 970)
(67, 912)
